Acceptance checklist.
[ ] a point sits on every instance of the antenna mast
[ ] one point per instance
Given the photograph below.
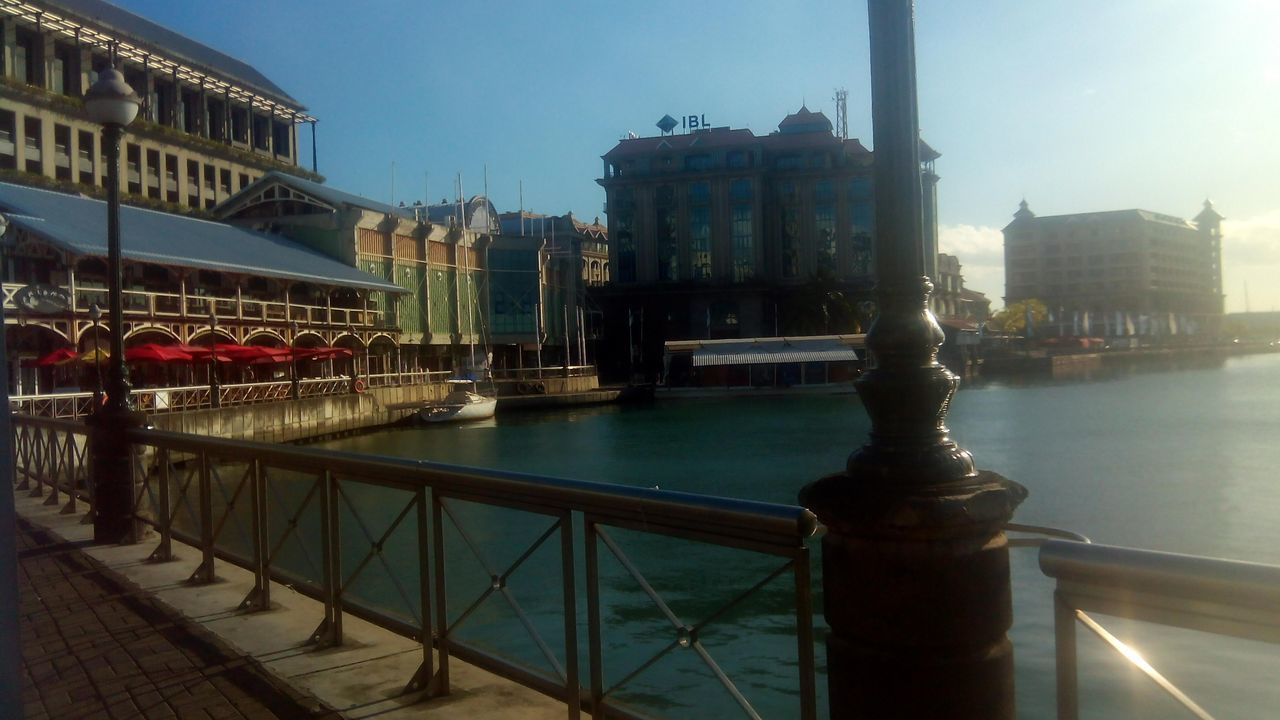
(842, 113)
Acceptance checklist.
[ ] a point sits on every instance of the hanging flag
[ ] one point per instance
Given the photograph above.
(1119, 323)
(1173, 324)
(1084, 323)
(1075, 323)
(1128, 325)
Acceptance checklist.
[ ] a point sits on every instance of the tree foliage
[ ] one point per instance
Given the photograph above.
(1012, 320)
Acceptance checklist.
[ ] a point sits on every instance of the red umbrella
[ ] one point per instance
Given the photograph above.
(53, 358)
(323, 353)
(151, 352)
(201, 353)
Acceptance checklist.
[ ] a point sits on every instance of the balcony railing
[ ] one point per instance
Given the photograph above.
(150, 303)
(486, 567)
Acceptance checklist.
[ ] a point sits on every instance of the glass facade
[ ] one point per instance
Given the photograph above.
(824, 226)
(668, 242)
(741, 212)
(700, 230)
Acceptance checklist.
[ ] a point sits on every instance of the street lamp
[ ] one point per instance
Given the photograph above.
(293, 360)
(112, 103)
(215, 389)
(95, 314)
(911, 516)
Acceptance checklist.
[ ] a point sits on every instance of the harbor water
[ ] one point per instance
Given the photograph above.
(1174, 459)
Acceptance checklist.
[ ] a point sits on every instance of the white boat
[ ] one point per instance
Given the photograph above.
(460, 405)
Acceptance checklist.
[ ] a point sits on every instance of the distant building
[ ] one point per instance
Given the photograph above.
(720, 233)
(1125, 272)
(209, 124)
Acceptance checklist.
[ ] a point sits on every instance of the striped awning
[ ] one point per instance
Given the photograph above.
(795, 351)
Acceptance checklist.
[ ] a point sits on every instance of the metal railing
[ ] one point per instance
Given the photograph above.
(175, 305)
(542, 373)
(79, 405)
(1221, 597)
(440, 553)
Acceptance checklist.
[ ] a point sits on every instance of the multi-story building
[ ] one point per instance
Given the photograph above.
(439, 262)
(1126, 271)
(722, 233)
(209, 124)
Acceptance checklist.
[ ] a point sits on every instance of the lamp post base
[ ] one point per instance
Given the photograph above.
(111, 472)
(917, 595)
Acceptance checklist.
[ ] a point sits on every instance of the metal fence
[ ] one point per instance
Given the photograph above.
(488, 567)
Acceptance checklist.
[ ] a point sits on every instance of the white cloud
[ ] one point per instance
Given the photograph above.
(981, 252)
(1250, 257)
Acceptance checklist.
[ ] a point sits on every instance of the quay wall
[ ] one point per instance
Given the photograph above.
(305, 419)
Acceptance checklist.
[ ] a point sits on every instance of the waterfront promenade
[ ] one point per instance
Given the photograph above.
(106, 634)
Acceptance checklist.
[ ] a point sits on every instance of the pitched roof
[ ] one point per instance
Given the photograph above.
(324, 193)
(124, 25)
(77, 224)
(805, 120)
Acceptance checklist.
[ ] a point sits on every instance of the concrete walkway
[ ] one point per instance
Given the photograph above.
(95, 647)
(107, 634)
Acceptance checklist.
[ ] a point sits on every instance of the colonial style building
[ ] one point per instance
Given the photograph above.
(1124, 272)
(186, 282)
(720, 233)
(209, 124)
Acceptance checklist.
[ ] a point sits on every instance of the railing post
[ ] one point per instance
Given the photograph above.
(424, 678)
(259, 597)
(442, 616)
(204, 573)
(1064, 634)
(164, 521)
(915, 562)
(573, 686)
(330, 630)
(595, 652)
(804, 634)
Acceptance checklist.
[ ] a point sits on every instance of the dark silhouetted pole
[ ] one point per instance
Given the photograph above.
(915, 562)
(112, 103)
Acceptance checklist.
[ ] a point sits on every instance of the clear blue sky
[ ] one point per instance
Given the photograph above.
(1078, 106)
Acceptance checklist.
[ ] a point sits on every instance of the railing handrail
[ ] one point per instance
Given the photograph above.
(766, 523)
(1113, 571)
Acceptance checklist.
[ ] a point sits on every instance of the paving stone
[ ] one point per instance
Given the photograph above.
(95, 647)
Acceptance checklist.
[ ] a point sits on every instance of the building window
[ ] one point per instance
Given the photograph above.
(625, 239)
(861, 217)
(62, 152)
(32, 141)
(744, 259)
(261, 132)
(738, 159)
(85, 154)
(244, 181)
(224, 182)
(700, 238)
(193, 183)
(133, 163)
(240, 125)
(152, 172)
(217, 117)
(24, 60)
(282, 140)
(790, 241)
(824, 192)
(668, 243)
(860, 188)
(210, 173)
(171, 178)
(8, 151)
(697, 163)
(789, 162)
(824, 226)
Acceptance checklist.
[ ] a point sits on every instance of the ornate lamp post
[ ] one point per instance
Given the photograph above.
(112, 103)
(95, 314)
(915, 562)
(215, 388)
